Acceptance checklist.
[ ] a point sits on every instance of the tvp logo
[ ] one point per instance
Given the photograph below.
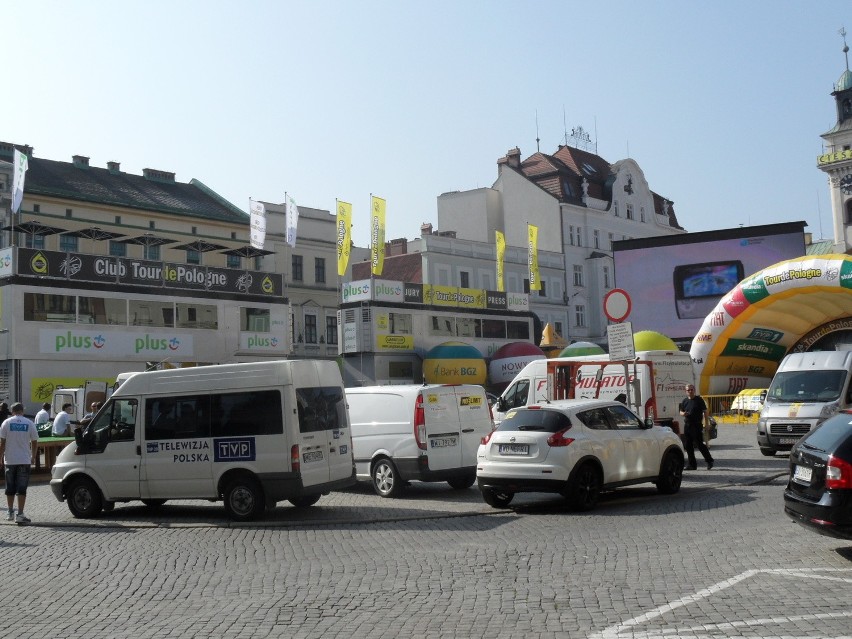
(234, 449)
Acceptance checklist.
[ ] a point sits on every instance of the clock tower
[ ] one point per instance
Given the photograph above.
(837, 160)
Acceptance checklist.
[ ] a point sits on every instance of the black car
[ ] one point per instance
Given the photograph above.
(819, 491)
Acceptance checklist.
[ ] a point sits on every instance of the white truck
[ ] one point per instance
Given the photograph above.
(807, 389)
(652, 384)
(80, 398)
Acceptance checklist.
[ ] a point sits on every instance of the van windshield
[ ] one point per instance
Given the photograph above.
(807, 386)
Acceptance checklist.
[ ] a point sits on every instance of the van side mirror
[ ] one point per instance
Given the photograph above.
(763, 395)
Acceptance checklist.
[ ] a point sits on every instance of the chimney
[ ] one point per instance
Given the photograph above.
(114, 167)
(512, 159)
(426, 228)
(396, 247)
(158, 176)
(80, 161)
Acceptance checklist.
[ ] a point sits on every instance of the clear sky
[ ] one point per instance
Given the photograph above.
(721, 103)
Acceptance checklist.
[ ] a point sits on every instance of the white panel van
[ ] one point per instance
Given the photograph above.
(249, 434)
(807, 389)
(417, 432)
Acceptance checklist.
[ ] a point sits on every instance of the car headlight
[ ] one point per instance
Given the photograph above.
(827, 411)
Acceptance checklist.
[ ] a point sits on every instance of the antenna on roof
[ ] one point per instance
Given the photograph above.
(596, 135)
(842, 32)
(537, 148)
(564, 125)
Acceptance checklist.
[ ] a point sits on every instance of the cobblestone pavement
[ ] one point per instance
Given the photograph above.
(718, 559)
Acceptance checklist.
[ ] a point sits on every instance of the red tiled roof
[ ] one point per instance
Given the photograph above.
(398, 268)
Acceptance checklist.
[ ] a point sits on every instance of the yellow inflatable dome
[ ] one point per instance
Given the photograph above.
(653, 341)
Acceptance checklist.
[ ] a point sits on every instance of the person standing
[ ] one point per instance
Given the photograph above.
(695, 417)
(62, 421)
(18, 450)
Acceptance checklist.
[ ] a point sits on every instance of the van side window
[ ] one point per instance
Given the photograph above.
(321, 408)
(177, 417)
(249, 413)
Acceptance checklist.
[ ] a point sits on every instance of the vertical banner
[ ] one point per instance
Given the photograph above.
(377, 233)
(257, 223)
(344, 236)
(21, 165)
(292, 213)
(532, 233)
(501, 255)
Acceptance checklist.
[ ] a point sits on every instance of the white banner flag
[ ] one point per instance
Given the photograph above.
(292, 219)
(21, 165)
(257, 221)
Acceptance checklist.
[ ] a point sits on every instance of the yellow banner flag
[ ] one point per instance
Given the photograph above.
(344, 236)
(377, 234)
(532, 236)
(501, 256)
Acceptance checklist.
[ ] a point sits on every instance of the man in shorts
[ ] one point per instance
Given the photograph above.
(18, 450)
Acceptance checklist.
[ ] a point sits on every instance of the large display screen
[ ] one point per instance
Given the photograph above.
(675, 281)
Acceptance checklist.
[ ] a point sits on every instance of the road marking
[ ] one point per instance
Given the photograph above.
(627, 629)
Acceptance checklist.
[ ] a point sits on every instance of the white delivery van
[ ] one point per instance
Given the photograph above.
(249, 434)
(807, 389)
(80, 398)
(653, 387)
(417, 432)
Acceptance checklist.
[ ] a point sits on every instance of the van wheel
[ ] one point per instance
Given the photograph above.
(153, 503)
(767, 452)
(671, 473)
(84, 498)
(305, 502)
(584, 488)
(497, 498)
(244, 499)
(386, 480)
(462, 483)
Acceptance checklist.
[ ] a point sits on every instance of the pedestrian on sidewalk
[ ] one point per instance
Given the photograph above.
(695, 417)
(18, 450)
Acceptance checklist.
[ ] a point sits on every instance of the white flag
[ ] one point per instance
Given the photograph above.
(292, 220)
(257, 222)
(21, 165)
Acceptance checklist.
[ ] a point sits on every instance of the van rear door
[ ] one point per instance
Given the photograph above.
(475, 420)
(443, 427)
(323, 437)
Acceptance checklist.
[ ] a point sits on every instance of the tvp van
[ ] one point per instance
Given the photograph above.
(248, 434)
(807, 389)
(417, 432)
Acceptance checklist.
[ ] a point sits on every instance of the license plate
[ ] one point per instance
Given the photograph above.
(787, 440)
(442, 442)
(312, 456)
(514, 449)
(802, 475)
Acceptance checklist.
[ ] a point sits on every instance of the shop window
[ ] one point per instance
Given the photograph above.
(41, 307)
(197, 316)
(256, 320)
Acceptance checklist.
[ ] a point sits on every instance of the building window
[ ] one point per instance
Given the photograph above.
(526, 286)
(542, 292)
(557, 326)
(580, 315)
(296, 264)
(68, 243)
(68, 213)
(193, 256)
(151, 313)
(195, 230)
(615, 209)
(642, 214)
(151, 224)
(629, 211)
(571, 235)
(611, 240)
(577, 236)
(36, 208)
(319, 270)
(331, 330)
(197, 316)
(99, 310)
(464, 279)
(848, 213)
(34, 241)
(118, 219)
(256, 320)
(578, 275)
(398, 323)
(443, 326)
(150, 252)
(310, 329)
(597, 239)
(117, 249)
(234, 261)
(606, 276)
(39, 307)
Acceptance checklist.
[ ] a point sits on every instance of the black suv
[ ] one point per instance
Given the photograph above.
(819, 491)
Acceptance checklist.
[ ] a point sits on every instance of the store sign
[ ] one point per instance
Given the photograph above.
(148, 273)
(102, 343)
(6, 265)
(262, 342)
(831, 158)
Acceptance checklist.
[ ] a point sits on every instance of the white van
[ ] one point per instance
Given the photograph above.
(250, 434)
(423, 432)
(807, 389)
(653, 387)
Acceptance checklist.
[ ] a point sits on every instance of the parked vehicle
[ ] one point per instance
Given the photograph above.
(249, 434)
(80, 398)
(417, 432)
(807, 389)
(819, 490)
(653, 384)
(577, 448)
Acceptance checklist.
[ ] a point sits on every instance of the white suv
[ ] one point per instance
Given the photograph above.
(576, 447)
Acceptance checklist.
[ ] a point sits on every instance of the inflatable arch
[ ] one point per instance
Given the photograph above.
(786, 307)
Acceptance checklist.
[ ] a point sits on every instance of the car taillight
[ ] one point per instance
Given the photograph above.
(559, 439)
(486, 439)
(295, 464)
(420, 423)
(838, 473)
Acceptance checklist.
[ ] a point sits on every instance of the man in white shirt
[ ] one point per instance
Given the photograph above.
(43, 416)
(18, 450)
(62, 422)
